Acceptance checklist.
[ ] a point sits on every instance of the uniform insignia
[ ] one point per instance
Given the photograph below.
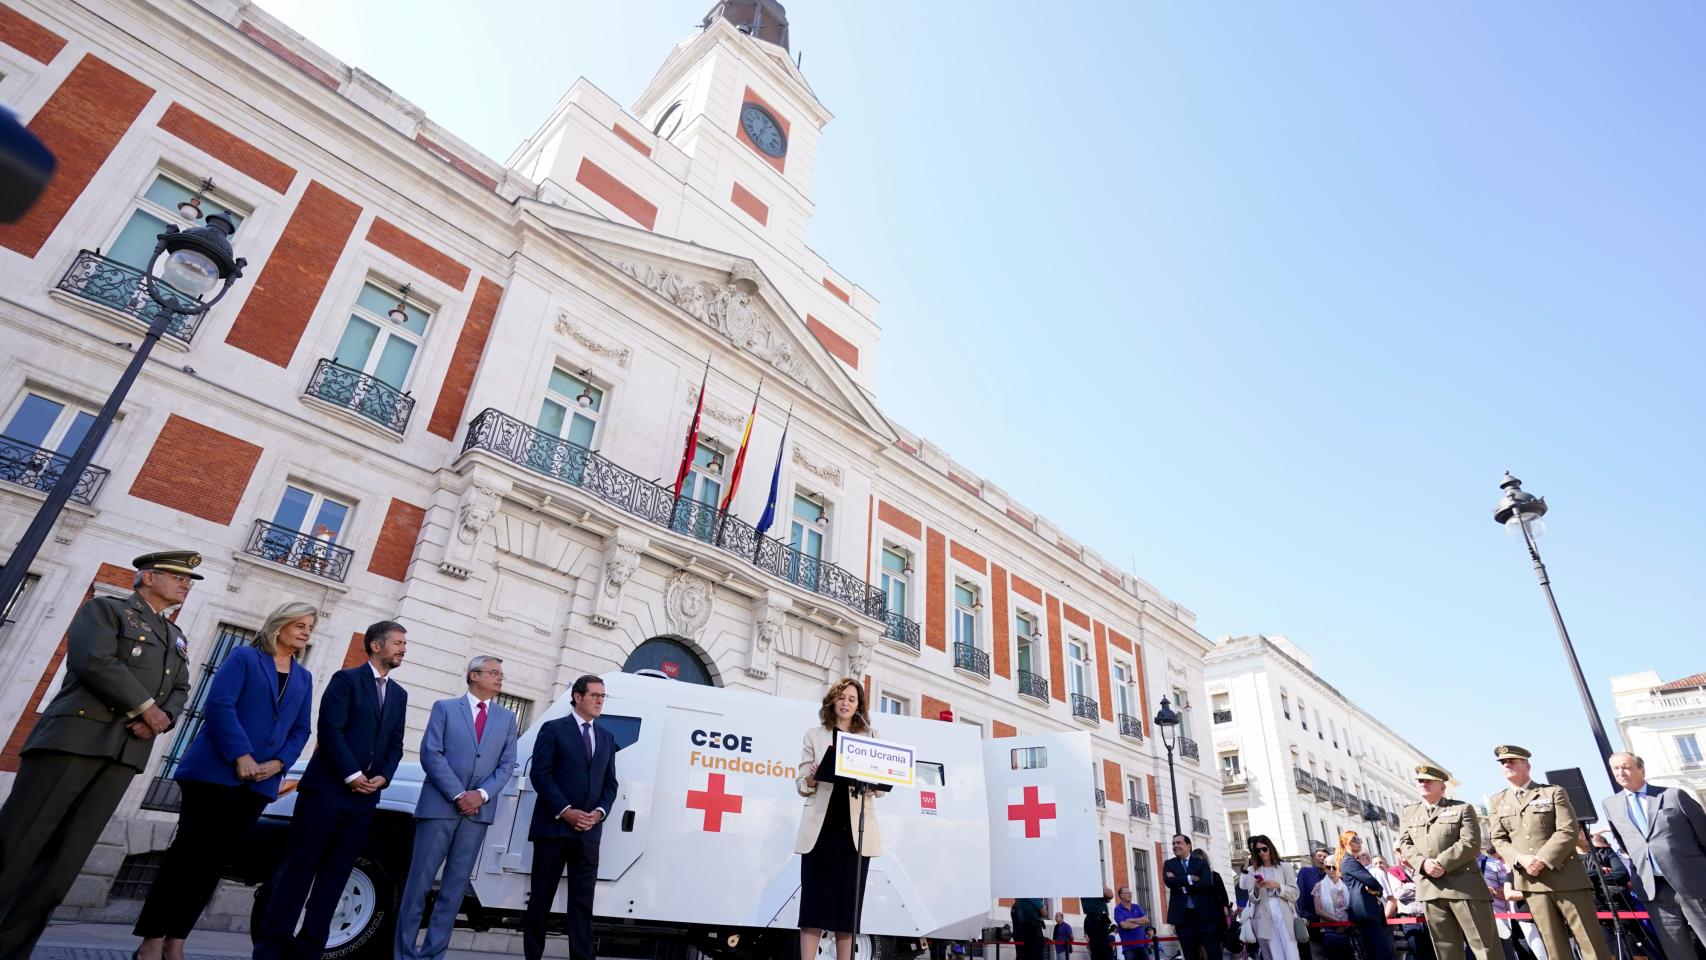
(136, 651)
(183, 647)
(1541, 803)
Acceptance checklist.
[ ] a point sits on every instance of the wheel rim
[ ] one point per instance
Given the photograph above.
(861, 947)
(355, 910)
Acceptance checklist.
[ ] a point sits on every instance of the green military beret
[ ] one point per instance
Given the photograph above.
(1508, 752)
(1427, 772)
(171, 561)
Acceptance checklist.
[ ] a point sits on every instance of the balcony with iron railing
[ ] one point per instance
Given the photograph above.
(117, 288)
(1139, 809)
(362, 394)
(1130, 727)
(1339, 798)
(971, 660)
(1199, 826)
(1304, 782)
(1101, 797)
(35, 468)
(1323, 789)
(1233, 780)
(1223, 716)
(1188, 749)
(1033, 685)
(507, 438)
(901, 629)
(299, 551)
(1371, 812)
(1084, 708)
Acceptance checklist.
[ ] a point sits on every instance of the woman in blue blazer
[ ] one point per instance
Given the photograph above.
(254, 724)
(1368, 900)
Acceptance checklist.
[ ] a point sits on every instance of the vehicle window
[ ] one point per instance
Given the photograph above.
(625, 729)
(927, 774)
(1030, 758)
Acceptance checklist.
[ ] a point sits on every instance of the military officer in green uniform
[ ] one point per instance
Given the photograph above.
(1534, 829)
(1439, 839)
(126, 681)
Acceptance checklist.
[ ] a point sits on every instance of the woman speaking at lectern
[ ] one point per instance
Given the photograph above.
(829, 825)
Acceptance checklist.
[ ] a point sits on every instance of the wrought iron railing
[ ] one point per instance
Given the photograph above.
(1392, 820)
(1084, 708)
(1353, 803)
(1101, 797)
(1188, 749)
(1139, 809)
(361, 393)
(1199, 826)
(292, 548)
(118, 286)
(1323, 789)
(1305, 783)
(1340, 799)
(1033, 685)
(511, 439)
(971, 659)
(1131, 727)
(1223, 716)
(28, 465)
(901, 629)
(1372, 812)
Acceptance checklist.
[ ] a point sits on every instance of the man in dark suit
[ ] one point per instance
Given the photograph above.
(359, 744)
(126, 680)
(1191, 904)
(573, 769)
(1664, 833)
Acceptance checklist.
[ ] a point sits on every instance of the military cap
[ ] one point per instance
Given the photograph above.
(171, 561)
(1429, 772)
(1508, 752)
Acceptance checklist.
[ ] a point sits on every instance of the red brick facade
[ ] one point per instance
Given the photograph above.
(197, 470)
(1113, 781)
(1103, 669)
(396, 544)
(968, 557)
(356, 653)
(999, 730)
(838, 346)
(1117, 858)
(465, 362)
(288, 55)
(1056, 654)
(839, 293)
(616, 193)
(1003, 622)
(931, 708)
(111, 575)
(780, 163)
(749, 204)
(294, 276)
(212, 139)
(935, 590)
(81, 123)
(28, 37)
(898, 519)
(408, 248)
(460, 165)
(630, 139)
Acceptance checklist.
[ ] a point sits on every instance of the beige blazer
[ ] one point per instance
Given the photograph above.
(816, 741)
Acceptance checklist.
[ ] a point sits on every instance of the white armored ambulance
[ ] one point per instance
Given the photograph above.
(698, 850)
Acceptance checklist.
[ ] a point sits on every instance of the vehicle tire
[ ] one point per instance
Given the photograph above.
(865, 947)
(365, 922)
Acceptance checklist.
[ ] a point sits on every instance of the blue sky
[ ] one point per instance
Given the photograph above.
(1260, 300)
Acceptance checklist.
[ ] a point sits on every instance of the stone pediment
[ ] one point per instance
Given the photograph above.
(728, 296)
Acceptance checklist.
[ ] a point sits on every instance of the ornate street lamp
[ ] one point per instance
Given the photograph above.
(197, 259)
(1519, 512)
(1168, 720)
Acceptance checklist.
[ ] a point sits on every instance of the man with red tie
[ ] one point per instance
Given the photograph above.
(468, 755)
(574, 771)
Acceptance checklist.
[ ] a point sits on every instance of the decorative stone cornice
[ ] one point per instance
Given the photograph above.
(727, 308)
(615, 352)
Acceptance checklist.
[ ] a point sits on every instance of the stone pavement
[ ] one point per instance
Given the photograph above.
(113, 941)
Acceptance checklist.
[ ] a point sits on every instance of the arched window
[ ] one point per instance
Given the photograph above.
(672, 658)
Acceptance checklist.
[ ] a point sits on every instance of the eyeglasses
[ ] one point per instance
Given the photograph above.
(495, 674)
(183, 578)
(594, 696)
(1264, 849)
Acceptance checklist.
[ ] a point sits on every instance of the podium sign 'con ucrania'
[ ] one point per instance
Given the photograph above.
(873, 761)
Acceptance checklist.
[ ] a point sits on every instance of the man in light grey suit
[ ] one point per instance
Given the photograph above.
(1664, 832)
(468, 753)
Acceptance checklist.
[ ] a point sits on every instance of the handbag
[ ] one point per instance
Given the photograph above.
(1300, 929)
(1247, 931)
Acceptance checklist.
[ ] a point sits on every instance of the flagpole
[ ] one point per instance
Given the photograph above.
(769, 516)
(739, 464)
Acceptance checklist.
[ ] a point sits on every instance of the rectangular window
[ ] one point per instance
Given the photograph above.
(701, 490)
(572, 408)
(1025, 631)
(229, 638)
(889, 703)
(1285, 705)
(896, 579)
(375, 342)
(1029, 758)
(9, 609)
(304, 528)
(1142, 884)
(1333, 729)
(164, 200)
(1122, 690)
(1131, 789)
(966, 605)
(39, 438)
(520, 706)
(1320, 734)
(1688, 748)
(1302, 714)
(1078, 672)
(1195, 803)
(805, 535)
(1229, 764)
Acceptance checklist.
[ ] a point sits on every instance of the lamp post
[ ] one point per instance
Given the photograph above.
(1168, 720)
(196, 260)
(1519, 512)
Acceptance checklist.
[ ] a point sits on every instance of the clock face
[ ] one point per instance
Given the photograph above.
(670, 121)
(763, 130)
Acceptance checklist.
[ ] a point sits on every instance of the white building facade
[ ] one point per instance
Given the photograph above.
(1665, 724)
(454, 393)
(1299, 761)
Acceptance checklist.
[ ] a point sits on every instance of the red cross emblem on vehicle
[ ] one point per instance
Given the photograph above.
(1030, 812)
(714, 800)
